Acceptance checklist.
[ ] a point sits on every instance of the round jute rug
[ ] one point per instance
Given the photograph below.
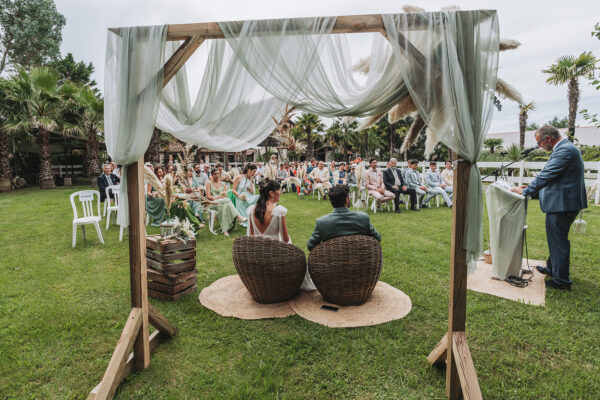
(229, 297)
(385, 304)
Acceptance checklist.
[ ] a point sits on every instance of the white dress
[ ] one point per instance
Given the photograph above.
(275, 231)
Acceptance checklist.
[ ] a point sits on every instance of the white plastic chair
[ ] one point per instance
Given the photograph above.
(105, 207)
(212, 216)
(110, 208)
(86, 197)
(373, 203)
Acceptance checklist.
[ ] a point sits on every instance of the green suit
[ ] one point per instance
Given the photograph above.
(341, 222)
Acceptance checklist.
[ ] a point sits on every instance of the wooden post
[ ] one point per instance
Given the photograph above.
(458, 274)
(137, 260)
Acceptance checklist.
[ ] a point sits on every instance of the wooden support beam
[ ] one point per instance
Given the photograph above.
(117, 363)
(458, 274)
(465, 367)
(160, 322)
(185, 51)
(155, 339)
(137, 259)
(438, 354)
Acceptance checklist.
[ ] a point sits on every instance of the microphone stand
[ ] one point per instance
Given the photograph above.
(495, 173)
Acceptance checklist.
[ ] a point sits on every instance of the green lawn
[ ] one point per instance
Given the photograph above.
(62, 311)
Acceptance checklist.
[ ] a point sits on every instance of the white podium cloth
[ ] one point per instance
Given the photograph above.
(507, 215)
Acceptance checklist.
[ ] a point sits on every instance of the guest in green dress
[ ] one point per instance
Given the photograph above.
(193, 186)
(243, 190)
(216, 191)
(155, 206)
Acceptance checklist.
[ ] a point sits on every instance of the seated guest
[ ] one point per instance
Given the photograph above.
(223, 175)
(340, 175)
(191, 186)
(282, 174)
(342, 221)
(351, 177)
(394, 182)
(436, 184)
(320, 177)
(155, 206)
(105, 180)
(374, 184)
(243, 190)
(448, 176)
(412, 177)
(313, 165)
(216, 192)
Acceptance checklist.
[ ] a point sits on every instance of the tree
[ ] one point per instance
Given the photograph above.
(308, 126)
(5, 112)
(492, 144)
(76, 72)
(38, 96)
(559, 122)
(30, 32)
(568, 69)
(532, 126)
(340, 135)
(523, 114)
(593, 119)
(92, 122)
(160, 141)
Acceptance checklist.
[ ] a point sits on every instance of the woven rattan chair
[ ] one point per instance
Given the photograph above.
(346, 269)
(271, 270)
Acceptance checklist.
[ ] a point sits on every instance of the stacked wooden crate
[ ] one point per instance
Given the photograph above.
(171, 267)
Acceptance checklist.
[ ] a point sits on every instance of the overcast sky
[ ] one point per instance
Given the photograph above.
(546, 30)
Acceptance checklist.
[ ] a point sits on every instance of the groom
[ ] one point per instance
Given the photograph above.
(342, 221)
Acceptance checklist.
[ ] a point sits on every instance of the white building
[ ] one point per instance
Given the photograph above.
(588, 135)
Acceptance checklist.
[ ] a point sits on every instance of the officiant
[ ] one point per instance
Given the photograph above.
(561, 189)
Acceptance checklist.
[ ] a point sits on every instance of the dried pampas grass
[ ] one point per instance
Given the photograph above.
(413, 133)
(370, 121)
(430, 142)
(362, 65)
(155, 182)
(407, 8)
(402, 109)
(169, 191)
(506, 91)
(509, 44)
(450, 8)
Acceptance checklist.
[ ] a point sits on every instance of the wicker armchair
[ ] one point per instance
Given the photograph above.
(346, 269)
(271, 270)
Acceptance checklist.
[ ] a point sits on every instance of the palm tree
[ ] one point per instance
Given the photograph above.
(493, 144)
(307, 128)
(92, 119)
(523, 114)
(5, 170)
(569, 69)
(38, 95)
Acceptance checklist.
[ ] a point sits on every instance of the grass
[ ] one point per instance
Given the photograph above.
(63, 309)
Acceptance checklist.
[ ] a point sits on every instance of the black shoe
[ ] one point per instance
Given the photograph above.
(550, 283)
(414, 209)
(398, 210)
(424, 206)
(544, 270)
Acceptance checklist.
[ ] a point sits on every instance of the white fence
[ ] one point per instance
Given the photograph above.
(521, 172)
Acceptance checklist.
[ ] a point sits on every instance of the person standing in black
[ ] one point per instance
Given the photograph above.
(393, 181)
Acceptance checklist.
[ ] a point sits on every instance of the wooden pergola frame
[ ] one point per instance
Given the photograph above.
(453, 349)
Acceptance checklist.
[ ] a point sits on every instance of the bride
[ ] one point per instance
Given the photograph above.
(267, 218)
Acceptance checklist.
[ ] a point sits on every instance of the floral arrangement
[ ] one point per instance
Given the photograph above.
(178, 229)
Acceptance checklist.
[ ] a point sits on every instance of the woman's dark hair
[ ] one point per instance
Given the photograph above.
(212, 171)
(248, 167)
(265, 187)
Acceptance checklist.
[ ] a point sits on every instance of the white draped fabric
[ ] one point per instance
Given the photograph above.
(231, 112)
(133, 80)
(447, 61)
(303, 65)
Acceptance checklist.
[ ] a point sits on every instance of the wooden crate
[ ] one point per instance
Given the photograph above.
(172, 267)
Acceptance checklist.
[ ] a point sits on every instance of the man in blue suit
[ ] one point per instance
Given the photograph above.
(561, 189)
